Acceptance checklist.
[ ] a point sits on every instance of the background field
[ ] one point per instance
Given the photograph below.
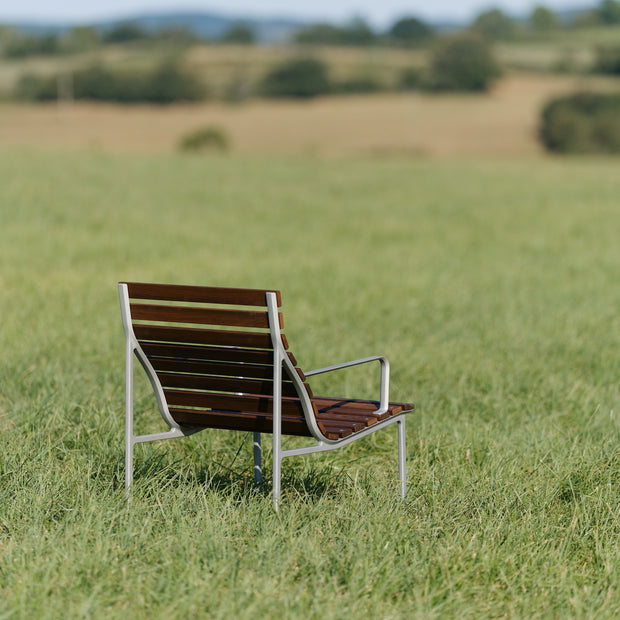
(503, 122)
(490, 285)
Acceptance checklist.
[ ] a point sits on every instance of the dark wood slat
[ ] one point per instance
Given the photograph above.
(203, 316)
(230, 402)
(219, 354)
(324, 404)
(223, 384)
(366, 420)
(226, 369)
(242, 421)
(337, 432)
(193, 335)
(200, 294)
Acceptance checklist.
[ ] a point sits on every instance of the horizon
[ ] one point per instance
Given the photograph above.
(74, 13)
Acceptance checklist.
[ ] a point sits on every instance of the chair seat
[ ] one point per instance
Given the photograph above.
(341, 417)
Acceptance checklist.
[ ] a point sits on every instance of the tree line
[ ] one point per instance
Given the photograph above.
(408, 31)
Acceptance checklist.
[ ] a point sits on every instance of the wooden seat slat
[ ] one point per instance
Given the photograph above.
(200, 294)
(203, 316)
(193, 335)
(226, 369)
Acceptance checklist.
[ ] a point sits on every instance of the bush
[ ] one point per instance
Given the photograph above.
(464, 63)
(608, 60)
(302, 78)
(205, 138)
(411, 78)
(166, 84)
(582, 123)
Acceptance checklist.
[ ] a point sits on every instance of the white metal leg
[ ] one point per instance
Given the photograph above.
(258, 458)
(402, 462)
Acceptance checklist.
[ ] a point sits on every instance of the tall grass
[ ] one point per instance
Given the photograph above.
(491, 286)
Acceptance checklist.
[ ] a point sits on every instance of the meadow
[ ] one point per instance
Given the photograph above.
(489, 283)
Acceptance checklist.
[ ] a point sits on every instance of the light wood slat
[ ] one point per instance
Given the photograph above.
(203, 316)
(200, 294)
(193, 335)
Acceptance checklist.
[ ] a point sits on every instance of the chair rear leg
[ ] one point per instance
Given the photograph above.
(129, 444)
(258, 466)
(402, 463)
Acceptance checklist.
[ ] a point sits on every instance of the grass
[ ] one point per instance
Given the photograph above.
(490, 285)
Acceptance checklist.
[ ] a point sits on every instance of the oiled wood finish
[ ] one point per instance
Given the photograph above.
(240, 421)
(200, 294)
(193, 335)
(223, 384)
(203, 316)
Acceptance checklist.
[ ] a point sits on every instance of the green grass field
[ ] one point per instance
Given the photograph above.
(490, 285)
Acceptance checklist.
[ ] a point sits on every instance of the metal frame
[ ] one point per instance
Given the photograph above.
(280, 360)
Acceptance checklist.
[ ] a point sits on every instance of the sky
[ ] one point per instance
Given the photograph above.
(378, 12)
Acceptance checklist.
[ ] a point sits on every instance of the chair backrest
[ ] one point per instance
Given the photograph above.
(212, 353)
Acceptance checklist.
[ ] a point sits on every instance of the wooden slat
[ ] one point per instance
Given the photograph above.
(220, 354)
(200, 294)
(230, 402)
(203, 316)
(226, 369)
(223, 384)
(193, 335)
(242, 421)
(366, 420)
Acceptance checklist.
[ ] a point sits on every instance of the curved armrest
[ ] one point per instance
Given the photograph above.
(385, 376)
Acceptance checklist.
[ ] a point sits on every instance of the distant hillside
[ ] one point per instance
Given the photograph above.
(204, 25)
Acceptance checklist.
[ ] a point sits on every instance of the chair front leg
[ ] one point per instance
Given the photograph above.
(402, 462)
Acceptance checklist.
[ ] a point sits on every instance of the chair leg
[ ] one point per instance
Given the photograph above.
(258, 466)
(402, 463)
(128, 416)
(277, 470)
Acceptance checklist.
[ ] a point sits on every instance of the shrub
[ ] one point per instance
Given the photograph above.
(166, 84)
(463, 62)
(582, 123)
(411, 78)
(205, 138)
(302, 78)
(608, 60)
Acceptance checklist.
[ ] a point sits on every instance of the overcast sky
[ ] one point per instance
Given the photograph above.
(378, 12)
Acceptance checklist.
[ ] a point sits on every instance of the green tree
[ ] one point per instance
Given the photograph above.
(463, 62)
(80, 39)
(609, 11)
(302, 78)
(495, 25)
(124, 33)
(239, 34)
(543, 19)
(356, 32)
(410, 31)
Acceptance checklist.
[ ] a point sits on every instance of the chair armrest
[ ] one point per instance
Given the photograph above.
(385, 376)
